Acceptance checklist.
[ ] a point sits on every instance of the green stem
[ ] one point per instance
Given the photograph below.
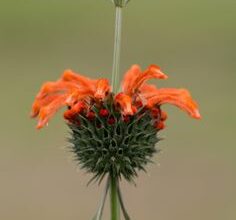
(114, 199)
(117, 49)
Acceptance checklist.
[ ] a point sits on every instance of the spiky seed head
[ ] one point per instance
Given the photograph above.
(104, 141)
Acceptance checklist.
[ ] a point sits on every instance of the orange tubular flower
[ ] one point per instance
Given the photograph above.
(46, 112)
(76, 91)
(179, 97)
(67, 91)
(134, 84)
(39, 103)
(135, 78)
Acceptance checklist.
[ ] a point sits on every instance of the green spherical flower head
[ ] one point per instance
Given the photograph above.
(105, 141)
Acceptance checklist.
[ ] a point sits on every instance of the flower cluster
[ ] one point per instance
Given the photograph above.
(112, 133)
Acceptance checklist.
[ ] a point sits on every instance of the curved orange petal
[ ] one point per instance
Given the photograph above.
(48, 111)
(55, 87)
(147, 91)
(125, 103)
(39, 103)
(129, 78)
(102, 89)
(70, 76)
(152, 72)
(78, 95)
(135, 78)
(178, 97)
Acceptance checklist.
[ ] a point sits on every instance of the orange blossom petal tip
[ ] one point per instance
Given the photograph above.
(196, 114)
(157, 70)
(42, 123)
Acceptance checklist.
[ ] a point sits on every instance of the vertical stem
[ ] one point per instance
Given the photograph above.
(114, 199)
(117, 49)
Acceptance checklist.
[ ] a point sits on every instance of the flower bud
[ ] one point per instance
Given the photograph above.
(120, 3)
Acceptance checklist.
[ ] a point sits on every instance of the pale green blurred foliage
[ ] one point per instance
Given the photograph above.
(193, 42)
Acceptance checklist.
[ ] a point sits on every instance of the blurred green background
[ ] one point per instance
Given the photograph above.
(195, 44)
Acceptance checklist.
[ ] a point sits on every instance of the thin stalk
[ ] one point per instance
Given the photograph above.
(117, 49)
(114, 199)
(99, 213)
(125, 213)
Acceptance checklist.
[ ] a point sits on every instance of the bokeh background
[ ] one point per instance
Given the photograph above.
(193, 41)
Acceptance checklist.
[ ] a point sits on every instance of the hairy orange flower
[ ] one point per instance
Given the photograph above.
(135, 86)
(79, 93)
(68, 91)
(135, 78)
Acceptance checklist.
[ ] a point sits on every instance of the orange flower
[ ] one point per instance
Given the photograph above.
(69, 90)
(135, 78)
(47, 111)
(79, 93)
(178, 97)
(134, 86)
(39, 103)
